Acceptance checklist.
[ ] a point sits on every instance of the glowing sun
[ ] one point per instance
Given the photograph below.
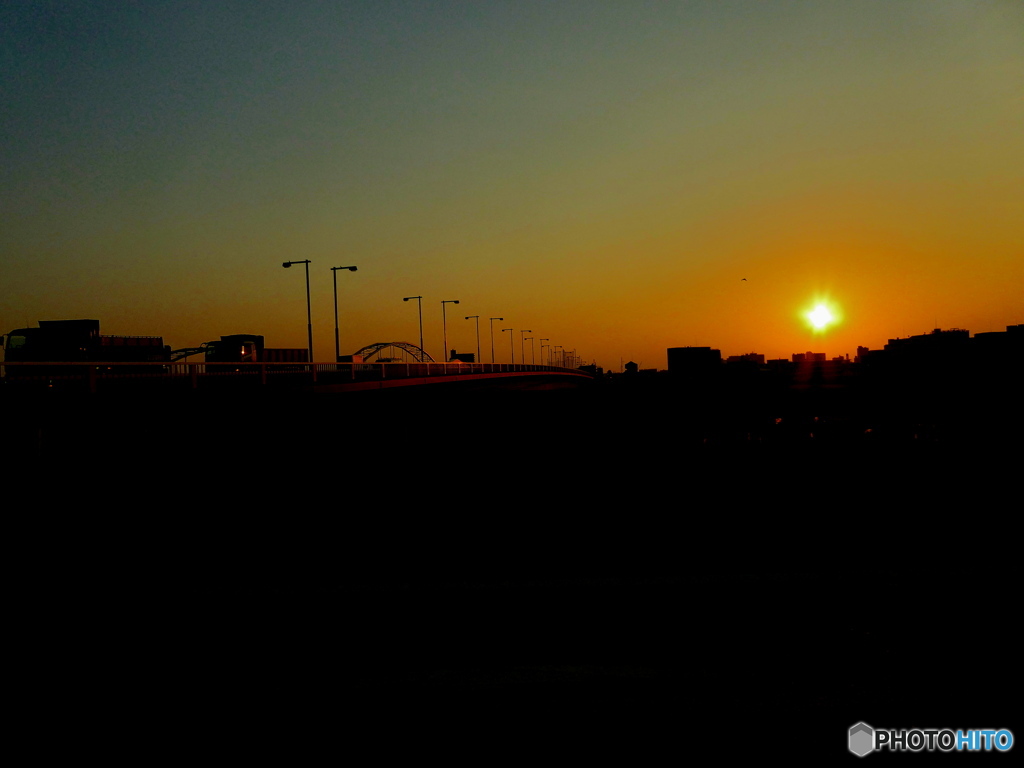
(820, 316)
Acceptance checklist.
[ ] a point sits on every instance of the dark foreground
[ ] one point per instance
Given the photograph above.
(549, 572)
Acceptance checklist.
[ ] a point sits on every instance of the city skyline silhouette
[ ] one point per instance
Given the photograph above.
(799, 222)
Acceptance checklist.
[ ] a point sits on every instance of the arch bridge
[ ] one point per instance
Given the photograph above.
(410, 350)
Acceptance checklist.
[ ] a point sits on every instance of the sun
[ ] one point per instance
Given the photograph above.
(820, 316)
(823, 315)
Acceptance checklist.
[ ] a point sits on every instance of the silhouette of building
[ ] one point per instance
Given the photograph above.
(935, 345)
(751, 358)
(809, 357)
(693, 361)
(1007, 345)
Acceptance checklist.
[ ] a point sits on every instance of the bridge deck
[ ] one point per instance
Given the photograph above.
(319, 377)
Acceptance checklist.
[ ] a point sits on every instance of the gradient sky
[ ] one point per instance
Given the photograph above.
(601, 173)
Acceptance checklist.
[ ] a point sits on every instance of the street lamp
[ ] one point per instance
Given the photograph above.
(511, 344)
(334, 274)
(477, 336)
(522, 345)
(309, 314)
(419, 300)
(533, 352)
(542, 345)
(492, 336)
(444, 326)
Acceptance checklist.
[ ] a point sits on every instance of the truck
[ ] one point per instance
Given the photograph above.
(78, 341)
(55, 343)
(249, 348)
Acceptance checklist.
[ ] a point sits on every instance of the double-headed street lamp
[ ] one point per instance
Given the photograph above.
(334, 274)
(444, 326)
(419, 300)
(309, 314)
(470, 317)
(492, 336)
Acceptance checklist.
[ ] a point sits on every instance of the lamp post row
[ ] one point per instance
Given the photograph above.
(419, 300)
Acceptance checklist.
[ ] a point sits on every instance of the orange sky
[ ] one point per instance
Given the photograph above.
(604, 174)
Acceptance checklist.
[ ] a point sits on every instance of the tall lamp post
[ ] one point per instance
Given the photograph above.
(542, 345)
(522, 345)
(533, 352)
(492, 336)
(477, 336)
(419, 300)
(444, 326)
(309, 314)
(334, 274)
(511, 343)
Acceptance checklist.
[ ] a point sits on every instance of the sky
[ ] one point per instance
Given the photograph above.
(618, 177)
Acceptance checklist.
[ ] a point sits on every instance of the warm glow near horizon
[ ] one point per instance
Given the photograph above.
(664, 175)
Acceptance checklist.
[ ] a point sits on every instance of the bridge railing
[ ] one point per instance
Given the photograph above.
(93, 376)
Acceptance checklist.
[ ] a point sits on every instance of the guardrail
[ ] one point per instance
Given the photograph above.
(92, 376)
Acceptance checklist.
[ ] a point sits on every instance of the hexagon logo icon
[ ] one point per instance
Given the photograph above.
(862, 739)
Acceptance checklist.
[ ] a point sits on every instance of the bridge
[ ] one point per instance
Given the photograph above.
(307, 377)
(406, 349)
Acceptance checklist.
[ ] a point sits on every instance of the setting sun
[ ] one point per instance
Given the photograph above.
(822, 316)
